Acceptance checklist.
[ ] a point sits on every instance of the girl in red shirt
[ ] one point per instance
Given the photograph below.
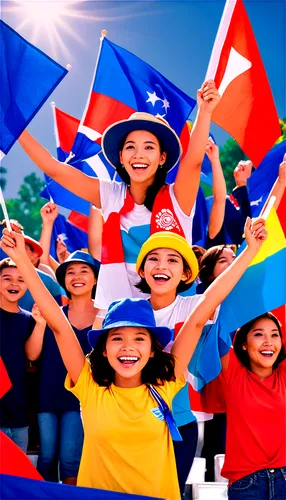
(254, 386)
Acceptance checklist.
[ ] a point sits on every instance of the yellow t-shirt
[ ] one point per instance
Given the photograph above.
(126, 448)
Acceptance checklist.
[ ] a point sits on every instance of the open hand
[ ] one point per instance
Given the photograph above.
(208, 96)
(13, 244)
(255, 232)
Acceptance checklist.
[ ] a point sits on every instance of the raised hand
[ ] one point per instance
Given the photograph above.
(208, 96)
(36, 313)
(61, 251)
(242, 172)
(255, 233)
(212, 150)
(13, 244)
(49, 212)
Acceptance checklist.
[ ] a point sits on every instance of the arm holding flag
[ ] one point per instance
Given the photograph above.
(186, 341)
(71, 178)
(190, 166)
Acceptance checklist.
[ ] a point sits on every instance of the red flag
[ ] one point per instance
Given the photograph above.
(5, 380)
(246, 98)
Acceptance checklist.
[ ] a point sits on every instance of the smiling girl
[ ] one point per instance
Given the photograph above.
(142, 149)
(60, 426)
(254, 386)
(127, 386)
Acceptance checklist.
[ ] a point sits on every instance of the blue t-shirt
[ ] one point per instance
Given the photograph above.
(53, 397)
(15, 329)
(27, 301)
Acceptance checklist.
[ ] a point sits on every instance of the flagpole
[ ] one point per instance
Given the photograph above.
(6, 216)
(220, 38)
(81, 126)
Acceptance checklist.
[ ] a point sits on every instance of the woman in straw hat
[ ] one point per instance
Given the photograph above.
(143, 149)
(127, 384)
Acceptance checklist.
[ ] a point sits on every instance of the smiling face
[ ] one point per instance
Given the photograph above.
(263, 345)
(141, 156)
(128, 350)
(163, 271)
(225, 259)
(79, 279)
(12, 286)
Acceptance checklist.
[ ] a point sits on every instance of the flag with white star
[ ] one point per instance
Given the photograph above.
(123, 84)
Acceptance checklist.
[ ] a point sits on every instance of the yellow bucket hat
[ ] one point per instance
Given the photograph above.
(174, 241)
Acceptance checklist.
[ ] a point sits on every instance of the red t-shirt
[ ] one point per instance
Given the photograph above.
(256, 420)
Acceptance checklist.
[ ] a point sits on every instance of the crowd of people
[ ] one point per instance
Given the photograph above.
(111, 332)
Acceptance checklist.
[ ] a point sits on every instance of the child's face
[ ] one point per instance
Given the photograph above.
(263, 344)
(79, 279)
(225, 259)
(128, 349)
(141, 156)
(12, 285)
(163, 270)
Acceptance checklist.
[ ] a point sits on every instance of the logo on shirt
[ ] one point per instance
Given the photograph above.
(166, 220)
(157, 413)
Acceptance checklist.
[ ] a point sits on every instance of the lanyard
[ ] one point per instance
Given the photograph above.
(168, 416)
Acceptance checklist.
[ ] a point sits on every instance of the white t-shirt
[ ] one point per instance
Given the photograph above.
(171, 316)
(118, 281)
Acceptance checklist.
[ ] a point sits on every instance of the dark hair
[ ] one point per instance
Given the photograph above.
(241, 335)
(93, 291)
(159, 369)
(159, 181)
(7, 263)
(198, 251)
(182, 286)
(208, 261)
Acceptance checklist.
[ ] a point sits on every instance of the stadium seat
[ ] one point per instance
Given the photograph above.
(218, 464)
(209, 491)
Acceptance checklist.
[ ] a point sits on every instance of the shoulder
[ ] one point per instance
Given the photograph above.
(112, 196)
(169, 389)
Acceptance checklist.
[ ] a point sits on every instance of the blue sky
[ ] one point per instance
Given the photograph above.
(173, 36)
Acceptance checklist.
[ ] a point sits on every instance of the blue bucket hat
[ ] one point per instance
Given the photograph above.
(77, 256)
(131, 312)
(113, 136)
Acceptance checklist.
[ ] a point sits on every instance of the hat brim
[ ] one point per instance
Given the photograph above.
(113, 136)
(62, 269)
(34, 244)
(162, 333)
(174, 242)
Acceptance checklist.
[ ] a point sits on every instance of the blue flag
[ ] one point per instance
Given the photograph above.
(123, 84)
(28, 77)
(74, 238)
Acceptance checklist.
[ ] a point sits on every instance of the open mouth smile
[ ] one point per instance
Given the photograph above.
(139, 166)
(128, 360)
(161, 278)
(13, 291)
(267, 353)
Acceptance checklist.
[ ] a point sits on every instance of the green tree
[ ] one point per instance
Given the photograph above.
(26, 208)
(3, 181)
(230, 155)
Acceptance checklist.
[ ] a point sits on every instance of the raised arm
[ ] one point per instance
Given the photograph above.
(188, 337)
(69, 177)
(188, 177)
(34, 344)
(70, 349)
(219, 190)
(49, 213)
(95, 224)
(279, 185)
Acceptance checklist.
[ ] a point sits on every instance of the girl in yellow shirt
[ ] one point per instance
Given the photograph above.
(127, 384)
